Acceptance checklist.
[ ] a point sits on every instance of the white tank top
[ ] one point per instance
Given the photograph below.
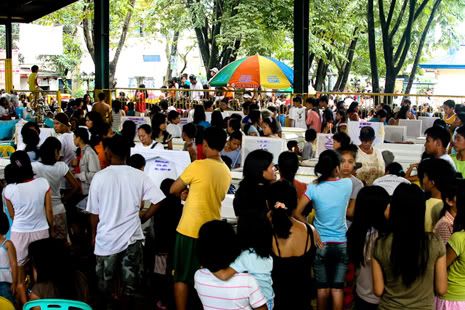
(5, 269)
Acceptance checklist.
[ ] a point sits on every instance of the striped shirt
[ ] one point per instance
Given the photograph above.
(239, 292)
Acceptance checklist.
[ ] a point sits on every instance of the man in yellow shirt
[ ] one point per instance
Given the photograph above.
(208, 182)
(33, 84)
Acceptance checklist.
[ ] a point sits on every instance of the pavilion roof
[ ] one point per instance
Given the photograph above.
(26, 11)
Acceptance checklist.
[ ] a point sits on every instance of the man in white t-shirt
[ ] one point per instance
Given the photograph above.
(393, 178)
(66, 137)
(114, 202)
(195, 85)
(298, 114)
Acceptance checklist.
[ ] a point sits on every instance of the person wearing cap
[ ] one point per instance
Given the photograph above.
(195, 85)
(63, 129)
(213, 71)
(371, 158)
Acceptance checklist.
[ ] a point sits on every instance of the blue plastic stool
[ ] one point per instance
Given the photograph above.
(61, 304)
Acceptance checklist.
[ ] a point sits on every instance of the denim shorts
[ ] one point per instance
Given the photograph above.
(5, 291)
(331, 265)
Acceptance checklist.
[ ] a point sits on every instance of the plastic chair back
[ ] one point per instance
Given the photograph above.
(56, 304)
(5, 304)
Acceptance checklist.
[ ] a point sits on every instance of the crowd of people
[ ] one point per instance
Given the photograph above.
(364, 234)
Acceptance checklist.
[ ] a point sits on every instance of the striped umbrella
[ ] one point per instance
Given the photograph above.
(253, 72)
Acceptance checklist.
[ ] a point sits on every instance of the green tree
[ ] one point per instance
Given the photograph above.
(335, 28)
(226, 29)
(121, 12)
(403, 31)
(81, 15)
(70, 60)
(14, 34)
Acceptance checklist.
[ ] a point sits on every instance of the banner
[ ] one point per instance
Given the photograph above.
(324, 141)
(36, 40)
(138, 120)
(163, 164)
(273, 145)
(354, 131)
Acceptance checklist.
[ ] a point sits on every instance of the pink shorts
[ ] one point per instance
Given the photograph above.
(442, 304)
(21, 241)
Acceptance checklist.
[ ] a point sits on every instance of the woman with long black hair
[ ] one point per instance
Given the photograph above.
(368, 224)
(159, 132)
(408, 263)
(259, 172)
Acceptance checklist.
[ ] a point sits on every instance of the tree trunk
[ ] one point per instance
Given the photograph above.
(89, 37)
(172, 56)
(389, 87)
(372, 47)
(420, 46)
(229, 54)
(122, 40)
(343, 74)
(337, 85)
(311, 57)
(320, 75)
(214, 60)
(348, 66)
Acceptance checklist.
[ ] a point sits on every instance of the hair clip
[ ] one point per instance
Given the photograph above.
(280, 205)
(18, 163)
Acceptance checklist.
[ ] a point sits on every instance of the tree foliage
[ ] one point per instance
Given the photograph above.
(344, 38)
(402, 28)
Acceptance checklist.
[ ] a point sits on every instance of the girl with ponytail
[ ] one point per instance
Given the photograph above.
(329, 196)
(293, 250)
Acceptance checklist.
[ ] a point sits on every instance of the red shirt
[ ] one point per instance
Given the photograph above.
(140, 105)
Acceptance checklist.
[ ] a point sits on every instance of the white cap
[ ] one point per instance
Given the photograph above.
(214, 70)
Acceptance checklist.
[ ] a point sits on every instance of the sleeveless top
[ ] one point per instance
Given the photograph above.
(5, 269)
(292, 279)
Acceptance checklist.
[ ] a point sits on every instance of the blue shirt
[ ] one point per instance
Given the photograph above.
(330, 199)
(235, 157)
(260, 268)
(204, 124)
